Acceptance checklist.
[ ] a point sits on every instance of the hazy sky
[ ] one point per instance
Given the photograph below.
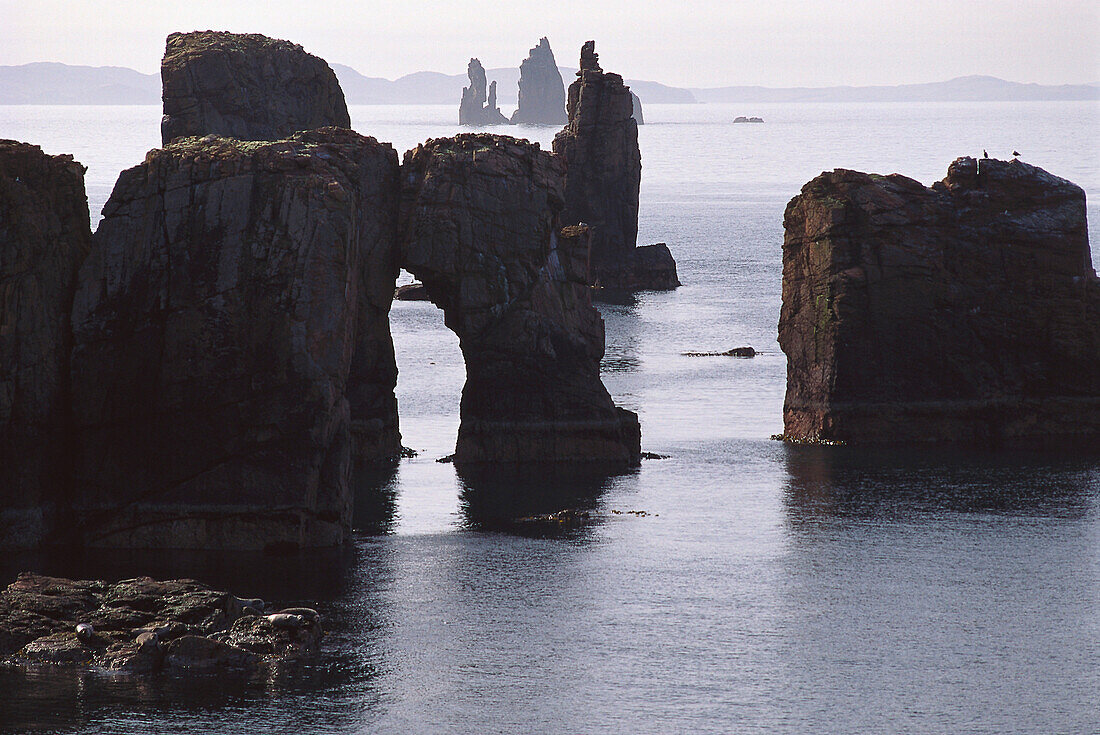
(683, 43)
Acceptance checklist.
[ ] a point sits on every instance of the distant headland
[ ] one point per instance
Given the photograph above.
(44, 83)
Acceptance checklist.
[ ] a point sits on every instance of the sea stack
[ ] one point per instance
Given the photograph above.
(231, 343)
(479, 102)
(44, 237)
(964, 312)
(603, 177)
(541, 89)
(637, 112)
(481, 228)
(245, 86)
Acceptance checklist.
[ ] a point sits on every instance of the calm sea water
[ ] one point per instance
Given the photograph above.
(769, 589)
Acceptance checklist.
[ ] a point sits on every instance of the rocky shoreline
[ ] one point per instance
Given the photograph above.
(145, 626)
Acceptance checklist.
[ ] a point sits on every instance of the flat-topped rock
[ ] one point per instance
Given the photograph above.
(44, 237)
(245, 86)
(481, 228)
(232, 353)
(968, 311)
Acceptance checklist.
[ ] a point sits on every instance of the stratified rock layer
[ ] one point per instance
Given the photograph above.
(232, 347)
(245, 86)
(603, 176)
(480, 222)
(44, 237)
(142, 625)
(541, 89)
(967, 311)
(479, 102)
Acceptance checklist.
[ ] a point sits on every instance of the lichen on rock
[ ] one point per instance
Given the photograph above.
(245, 86)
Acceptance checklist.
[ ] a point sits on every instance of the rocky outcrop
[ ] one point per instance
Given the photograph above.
(44, 237)
(232, 352)
(603, 176)
(541, 89)
(636, 102)
(245, 86)
(475, 108)
(142, 625)
(481, 229)
(968, 311)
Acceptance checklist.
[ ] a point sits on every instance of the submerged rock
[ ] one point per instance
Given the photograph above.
(481, 228)
(479, 103)
(603, 176)
(541, 89)
(44, 237)
(140, 626)
(245, 86)
(965, 311)
(232, 348)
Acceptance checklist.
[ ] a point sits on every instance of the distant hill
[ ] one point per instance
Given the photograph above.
(47, 83)
(51, 83)
(434, 88)
(961, 89)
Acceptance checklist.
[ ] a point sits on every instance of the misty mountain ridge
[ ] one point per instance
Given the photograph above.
(43, 83)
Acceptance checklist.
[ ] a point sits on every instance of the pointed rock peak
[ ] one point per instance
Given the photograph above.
(590, 60)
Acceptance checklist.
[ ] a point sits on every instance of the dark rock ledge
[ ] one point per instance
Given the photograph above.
(144, 626)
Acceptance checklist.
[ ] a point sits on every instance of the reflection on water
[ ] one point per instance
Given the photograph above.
(902, 481)
(619, 310)
(374, 498)
(496, 498)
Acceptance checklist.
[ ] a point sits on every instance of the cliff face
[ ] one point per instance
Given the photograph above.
(604, 174)
(541, 89)
(44, 237)
(475, 109)
(481, 229)
(965, 311)
(247, 86)
(231, 341)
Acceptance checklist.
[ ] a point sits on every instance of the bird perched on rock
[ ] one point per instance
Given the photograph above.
(1015, 154)
(84, 632)
(985, 154)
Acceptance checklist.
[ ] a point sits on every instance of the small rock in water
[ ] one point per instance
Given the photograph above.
(654, 455)
(733, 352)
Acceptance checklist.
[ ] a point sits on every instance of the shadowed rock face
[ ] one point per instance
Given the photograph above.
(965, 311)
(473, 109)
(232, 347)
(481, 229)
(249, 87)
(44, 237)
(541, 89)
(603, 176)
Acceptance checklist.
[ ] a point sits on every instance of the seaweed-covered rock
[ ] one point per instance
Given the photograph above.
(44, 237)
(968, 311)
(245, 86)
(481, 229)
(541, 89)
(143, 625)
(232, 348)
(603, 178)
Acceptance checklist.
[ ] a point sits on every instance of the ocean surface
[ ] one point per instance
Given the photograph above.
(766, 589)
